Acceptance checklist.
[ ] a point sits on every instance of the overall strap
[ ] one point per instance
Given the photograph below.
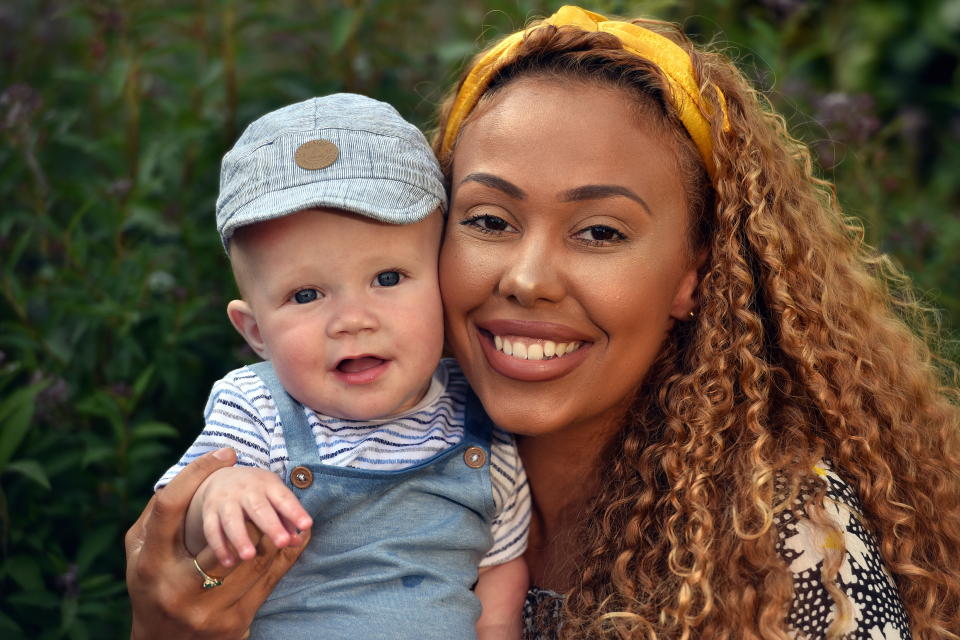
(297, 434)
(478, 426)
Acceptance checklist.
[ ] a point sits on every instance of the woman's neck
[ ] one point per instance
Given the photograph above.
(560, 475)
(562, 470)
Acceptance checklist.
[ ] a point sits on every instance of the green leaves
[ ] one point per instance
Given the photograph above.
(30, 469)
(16, 412)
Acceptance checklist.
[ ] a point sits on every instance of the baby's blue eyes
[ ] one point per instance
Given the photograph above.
(309, 294)
(388, 278)
(305, 295)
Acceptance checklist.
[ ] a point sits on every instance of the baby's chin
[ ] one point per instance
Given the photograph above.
(365, 412)
(362, 416)
(381, 399)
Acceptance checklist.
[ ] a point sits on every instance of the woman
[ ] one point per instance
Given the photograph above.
(745, 441)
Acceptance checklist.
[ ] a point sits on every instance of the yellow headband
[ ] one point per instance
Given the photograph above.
(665, 54)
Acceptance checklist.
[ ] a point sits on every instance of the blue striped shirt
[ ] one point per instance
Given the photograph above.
(241, 414)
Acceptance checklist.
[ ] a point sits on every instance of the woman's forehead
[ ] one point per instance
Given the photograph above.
(564, 134)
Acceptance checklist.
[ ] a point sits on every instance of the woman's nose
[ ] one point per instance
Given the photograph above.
(532, 274)
(352, 316)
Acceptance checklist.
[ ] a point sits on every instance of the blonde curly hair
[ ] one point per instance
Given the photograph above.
(808, 346)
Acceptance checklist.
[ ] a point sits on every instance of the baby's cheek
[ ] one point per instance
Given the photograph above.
(425, 322)
(298, 360)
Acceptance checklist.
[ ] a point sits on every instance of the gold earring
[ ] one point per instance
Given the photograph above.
(691, 314)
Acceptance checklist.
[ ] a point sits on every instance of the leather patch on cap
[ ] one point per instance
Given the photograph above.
(316, 154)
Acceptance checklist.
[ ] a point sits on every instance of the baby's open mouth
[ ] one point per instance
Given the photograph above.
(356, 365)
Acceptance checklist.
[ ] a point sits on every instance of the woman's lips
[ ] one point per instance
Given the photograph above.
(532, 352)
(534, 329)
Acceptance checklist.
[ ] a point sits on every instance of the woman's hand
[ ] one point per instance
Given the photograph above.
(166, 592)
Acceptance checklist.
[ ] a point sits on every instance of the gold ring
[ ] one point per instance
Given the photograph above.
(209, 582)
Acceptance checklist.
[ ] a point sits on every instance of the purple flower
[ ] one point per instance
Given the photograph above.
(913, 121)
(68, 581)
(783, 8)
(121, 389)
(18, 104)
(848, 117)
(120, 187)
(52, 396)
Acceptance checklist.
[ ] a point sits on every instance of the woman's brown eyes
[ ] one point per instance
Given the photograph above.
(486, 223)
(600, 235)
(597, 235)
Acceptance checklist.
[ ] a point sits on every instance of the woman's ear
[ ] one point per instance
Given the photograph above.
(685, 300)
(242, 318)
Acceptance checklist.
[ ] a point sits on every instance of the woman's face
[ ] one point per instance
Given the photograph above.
(567, 233)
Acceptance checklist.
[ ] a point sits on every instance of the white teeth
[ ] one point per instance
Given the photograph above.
(536, 350)
(549, 348)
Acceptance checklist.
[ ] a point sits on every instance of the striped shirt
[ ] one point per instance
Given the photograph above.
(241, 414)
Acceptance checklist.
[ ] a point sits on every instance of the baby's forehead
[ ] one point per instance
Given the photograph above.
(326, 233)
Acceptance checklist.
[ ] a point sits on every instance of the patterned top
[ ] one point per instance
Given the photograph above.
(241, 414)
(878, 612)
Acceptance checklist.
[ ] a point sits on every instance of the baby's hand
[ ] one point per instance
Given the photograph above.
(235, 494)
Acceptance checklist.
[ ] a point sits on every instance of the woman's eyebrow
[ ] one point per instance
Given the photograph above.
(597, 191)
(495, 182)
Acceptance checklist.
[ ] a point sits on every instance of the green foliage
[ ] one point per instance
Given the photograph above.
(113, 119)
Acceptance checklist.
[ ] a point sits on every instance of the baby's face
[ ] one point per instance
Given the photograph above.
(346, 308)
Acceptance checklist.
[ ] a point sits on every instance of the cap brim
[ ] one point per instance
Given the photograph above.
(384, 200)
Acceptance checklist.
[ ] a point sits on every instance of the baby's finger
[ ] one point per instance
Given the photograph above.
(262, 514)
(289, 508)
(294, 530)
(234, 526)
(216, 541)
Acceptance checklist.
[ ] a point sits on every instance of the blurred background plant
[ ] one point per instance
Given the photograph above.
(113, 119)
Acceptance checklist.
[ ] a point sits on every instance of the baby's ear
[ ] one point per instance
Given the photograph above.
(242, 318)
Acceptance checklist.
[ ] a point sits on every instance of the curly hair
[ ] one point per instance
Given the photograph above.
(808, 347)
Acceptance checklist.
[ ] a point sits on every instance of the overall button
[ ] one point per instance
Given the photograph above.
(301, 477)
(475, 457)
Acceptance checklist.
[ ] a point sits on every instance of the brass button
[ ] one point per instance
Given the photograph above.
(475, 457)
(301, 477)
(316, 154)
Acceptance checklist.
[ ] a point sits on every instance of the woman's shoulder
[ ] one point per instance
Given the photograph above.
(542, 613)
(876, 607)
(876, 610)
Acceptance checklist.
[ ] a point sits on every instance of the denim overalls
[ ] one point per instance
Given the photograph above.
(394, 554)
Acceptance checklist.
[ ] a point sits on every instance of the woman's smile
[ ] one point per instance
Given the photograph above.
(532, 351)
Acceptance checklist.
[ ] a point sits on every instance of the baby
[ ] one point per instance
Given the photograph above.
(331, 212)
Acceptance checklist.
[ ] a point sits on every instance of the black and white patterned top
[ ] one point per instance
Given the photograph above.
(877, 611)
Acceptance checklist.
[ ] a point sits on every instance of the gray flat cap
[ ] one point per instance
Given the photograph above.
(343, 151)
